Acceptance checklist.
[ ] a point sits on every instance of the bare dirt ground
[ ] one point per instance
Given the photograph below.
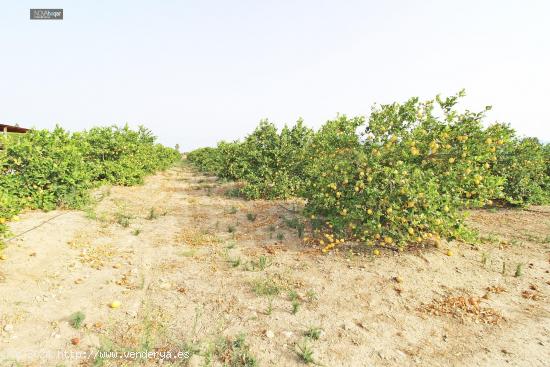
(227, 281)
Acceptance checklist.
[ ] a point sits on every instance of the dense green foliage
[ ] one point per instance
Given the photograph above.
(47, 169)
(270, 163)
(525, 166)
(123, 156)
(403, 176)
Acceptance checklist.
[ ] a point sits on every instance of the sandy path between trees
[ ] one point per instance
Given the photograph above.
(192, 270)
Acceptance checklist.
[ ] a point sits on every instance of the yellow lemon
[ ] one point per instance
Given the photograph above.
(369, 211)
(410, 230)
(115, 304)
(3, 257)
(451, 160)
(449, 253)
(376, 252)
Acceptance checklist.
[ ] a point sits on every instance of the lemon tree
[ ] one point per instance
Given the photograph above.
(406, 176)
(403, 176)
(47, 169)
(270, 163)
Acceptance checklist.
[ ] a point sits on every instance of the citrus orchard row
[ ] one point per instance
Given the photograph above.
(404, 176)
(47, 169)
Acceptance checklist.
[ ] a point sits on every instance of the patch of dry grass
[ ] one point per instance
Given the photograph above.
(464, 308)
(127, 280)
(195, 237)
(148, 333)
(496, 289)
(93, 256)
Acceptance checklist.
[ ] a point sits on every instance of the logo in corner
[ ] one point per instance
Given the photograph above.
(46, 14)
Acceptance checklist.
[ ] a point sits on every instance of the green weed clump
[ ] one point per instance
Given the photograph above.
(76, 319)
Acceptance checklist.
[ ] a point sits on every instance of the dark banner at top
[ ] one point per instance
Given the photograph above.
(47, 14)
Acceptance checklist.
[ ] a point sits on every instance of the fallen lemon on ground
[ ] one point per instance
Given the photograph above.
(115, 304)
(376, 252)
(449, 253)
(3, 257)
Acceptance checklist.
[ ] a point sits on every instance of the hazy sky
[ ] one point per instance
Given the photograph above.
(196, 72)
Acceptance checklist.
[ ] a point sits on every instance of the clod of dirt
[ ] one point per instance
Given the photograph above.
(8, 328)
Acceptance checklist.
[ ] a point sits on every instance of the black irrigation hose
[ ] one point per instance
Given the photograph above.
(290, 210)
(35, 227)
